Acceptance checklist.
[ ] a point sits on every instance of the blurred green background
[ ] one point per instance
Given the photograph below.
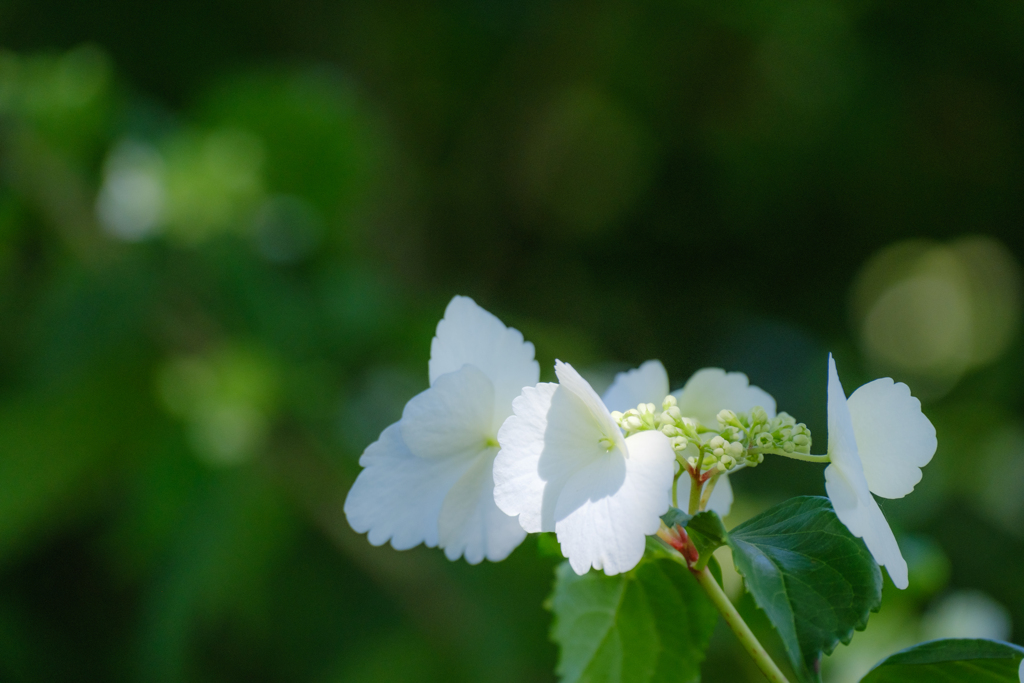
(228, 229)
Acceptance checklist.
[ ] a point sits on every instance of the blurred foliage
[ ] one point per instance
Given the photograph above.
(226, 233)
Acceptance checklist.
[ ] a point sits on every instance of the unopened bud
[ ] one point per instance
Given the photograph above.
(735, 449)
(616, 415)
(728, 418)
(758, 416)
(670, 431)
(717, 442)
(669, 402)
(728, 461)
(632, 422)
(679, 444)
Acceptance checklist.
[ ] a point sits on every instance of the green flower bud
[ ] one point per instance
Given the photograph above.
(689, 427)
(727, 418)
(758, 416)
(669, 402)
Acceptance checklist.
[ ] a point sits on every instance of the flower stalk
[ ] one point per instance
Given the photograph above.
(739, 627)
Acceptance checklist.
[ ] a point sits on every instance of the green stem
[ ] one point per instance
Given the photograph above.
(739, 627)
(695, 487)
(708, 489)
(797, 456)
(675, 486)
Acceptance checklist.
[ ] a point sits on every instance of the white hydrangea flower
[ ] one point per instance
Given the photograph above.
(705, 394)
(428, 478)
(878, 441)
(565, 466)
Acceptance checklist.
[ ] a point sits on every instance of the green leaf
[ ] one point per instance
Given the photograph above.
(649, 625)
(547, 546)
(816, 582)
(977, 661)
(675, 516)
(705, 529)
(707, 533)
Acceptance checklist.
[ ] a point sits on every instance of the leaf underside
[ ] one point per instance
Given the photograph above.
(815, 581)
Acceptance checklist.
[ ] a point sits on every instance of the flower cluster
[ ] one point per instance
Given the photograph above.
(487, 454)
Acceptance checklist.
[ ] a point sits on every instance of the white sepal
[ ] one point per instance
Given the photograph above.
(606, 510)
(894, 438)
(398, 496)
(645, 384)
(428, 478)
(451, 419)
(470, 335)
(564, 466)
(710, 390)
(847, 486)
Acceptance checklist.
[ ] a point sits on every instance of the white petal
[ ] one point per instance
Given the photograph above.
(711, 390)
(894, 438)
(606, 510)
(469, 334)
(847, 487)
(574, 382)
(645, 384)
(398, 496)
(857, 509)
(721, 498)
(551, 436)
(471, 524)
(451, 419)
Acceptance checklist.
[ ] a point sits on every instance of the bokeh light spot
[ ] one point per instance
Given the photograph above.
(932, 312)
(131, 200)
